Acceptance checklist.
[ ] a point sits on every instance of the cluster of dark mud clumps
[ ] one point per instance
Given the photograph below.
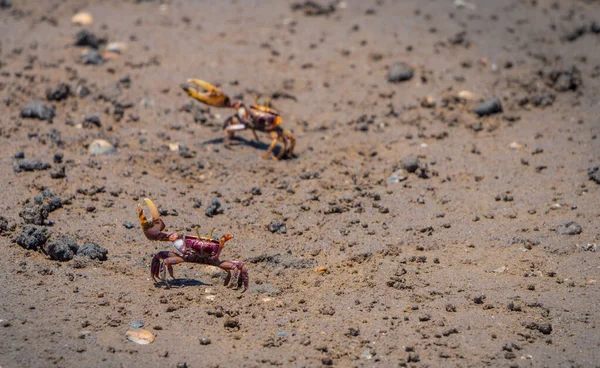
(35, 234)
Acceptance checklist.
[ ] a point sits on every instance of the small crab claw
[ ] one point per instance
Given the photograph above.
(208, 94)
(153, 228)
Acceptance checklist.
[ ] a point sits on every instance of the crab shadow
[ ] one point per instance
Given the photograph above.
(237, 140)
(180, 283)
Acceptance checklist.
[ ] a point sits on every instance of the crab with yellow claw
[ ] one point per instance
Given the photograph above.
(194, 249)
(255, 117)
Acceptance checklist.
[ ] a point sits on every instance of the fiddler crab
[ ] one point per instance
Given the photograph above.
(256, 117)
(194, 249)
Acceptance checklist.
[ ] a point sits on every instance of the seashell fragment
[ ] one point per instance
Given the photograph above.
(83, 18)
(140, 336)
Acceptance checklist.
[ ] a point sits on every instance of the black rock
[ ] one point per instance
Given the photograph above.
(489, 107)
(38, 110)
(93, 251)
(400, 72)
(6, 226)
(5, 4)
(569, 228)
(594, 174)
(312, 8)
(83, 91)
(565, 80)
(277, 227)
(128, 225)
(33, 237)
(545, 328)
(256, 191)
(59, 174)
(575, 33)
(58, 157)
(59, 93)
(595, 27)
(91, 120)
(92, 57)
(410, 163)
(86, 38)
(62, 249)
(214, 208)
(48, 200)
(19, 155)
(30, 164)
(34, 214)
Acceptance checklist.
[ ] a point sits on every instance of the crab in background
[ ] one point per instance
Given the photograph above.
(255, 117)
(194, 249)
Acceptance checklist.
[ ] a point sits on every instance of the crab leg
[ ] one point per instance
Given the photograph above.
(162, 262)
(290, 137)
(240, 274)
(208, 94)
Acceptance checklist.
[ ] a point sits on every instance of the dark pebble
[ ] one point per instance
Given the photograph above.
(205, 341)
(128, 225)
(312, 8)
(256, 191)
(595, 27)
(575, 33)
(19, 155)
(477, 127)
(59, 174)
(48, 200)
(86, 38)
(564, 80)
(31, 164)
(545, 328)
(410, 163)
(594, 174)
(33, 237)
(214, 208)
(92, 57)
(34, 214)
(38, 110)
(83, 91)
(400, 72)
(5, 4)
(91, 120)
(58, 93)
(569, 228)
(6, 226)
(62, 249)
(489, 107)
(231, 323)
(58, 157)
(93, 251)
(327, 361)
(277, 227)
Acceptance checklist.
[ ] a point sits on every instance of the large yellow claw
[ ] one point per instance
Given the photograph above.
(152, 228)
(208, 94)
